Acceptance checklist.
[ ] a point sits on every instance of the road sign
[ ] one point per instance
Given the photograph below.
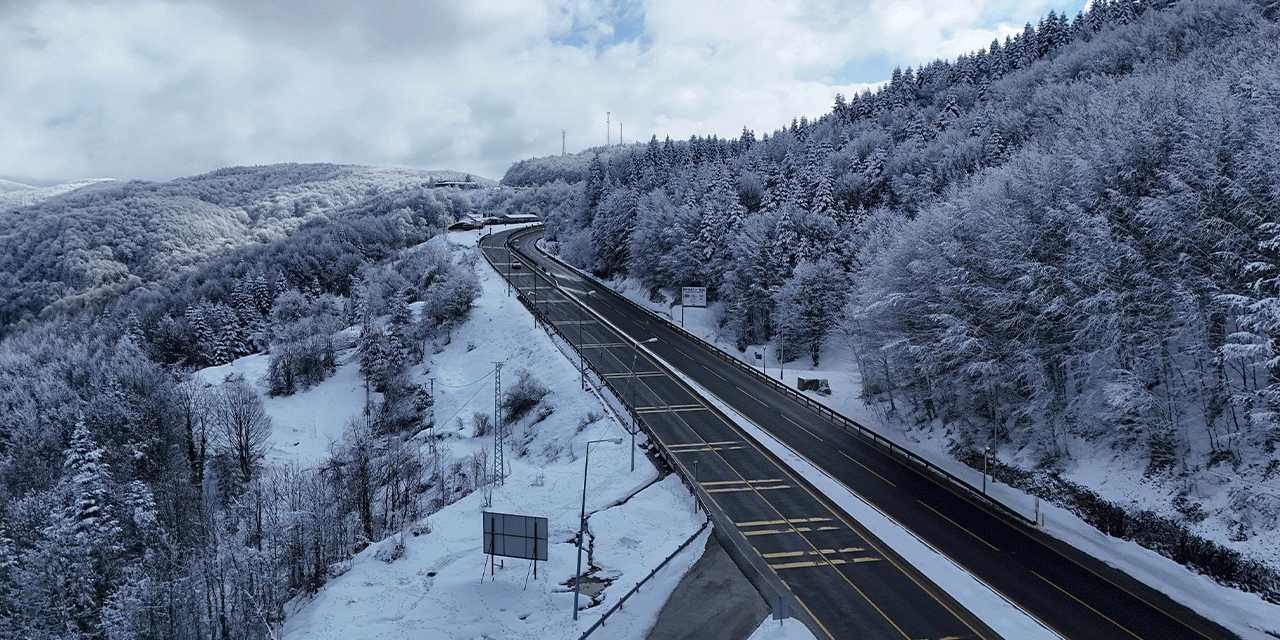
(515, 536)
(693, 296)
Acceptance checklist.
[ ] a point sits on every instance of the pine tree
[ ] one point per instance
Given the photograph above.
(262, 297)
(69, 574)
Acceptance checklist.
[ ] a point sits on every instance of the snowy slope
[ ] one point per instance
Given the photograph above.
(1243, 613)
(441, 586)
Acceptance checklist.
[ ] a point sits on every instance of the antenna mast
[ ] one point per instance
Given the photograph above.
(562, 145)
(608, 130)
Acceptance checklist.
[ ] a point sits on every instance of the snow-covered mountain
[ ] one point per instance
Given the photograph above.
(16, 194)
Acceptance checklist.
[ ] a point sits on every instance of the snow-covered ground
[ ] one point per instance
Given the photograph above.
(15, 194)
(1243, 613)
(441, 587)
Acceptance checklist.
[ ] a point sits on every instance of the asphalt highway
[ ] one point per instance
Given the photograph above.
(850, 583)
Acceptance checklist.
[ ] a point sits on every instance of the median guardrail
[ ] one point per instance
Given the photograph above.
(831, 416)
(753, 566)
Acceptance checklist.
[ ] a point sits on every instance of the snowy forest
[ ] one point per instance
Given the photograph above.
(1064, 240)
(134, 501)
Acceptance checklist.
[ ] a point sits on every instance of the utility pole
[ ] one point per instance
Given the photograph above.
(499, 465)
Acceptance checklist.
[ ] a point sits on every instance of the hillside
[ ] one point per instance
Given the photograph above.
(1061, 247)
(104, 239)
(14, 195)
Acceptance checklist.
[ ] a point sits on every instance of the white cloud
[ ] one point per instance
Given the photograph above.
(155, 89)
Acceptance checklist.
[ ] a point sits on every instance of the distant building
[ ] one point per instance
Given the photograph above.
(466, 223)
(516, 218)
(459, 184)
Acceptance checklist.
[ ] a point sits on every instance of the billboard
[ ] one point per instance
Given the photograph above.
(515, 536)
(693, 296)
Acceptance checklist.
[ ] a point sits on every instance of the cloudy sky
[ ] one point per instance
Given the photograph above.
(156, 89)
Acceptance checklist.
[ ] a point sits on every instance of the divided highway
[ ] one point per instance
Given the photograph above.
(847, 583)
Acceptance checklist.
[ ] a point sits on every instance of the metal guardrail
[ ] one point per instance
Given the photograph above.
(618, 605)
(734, 549)
(833, 417)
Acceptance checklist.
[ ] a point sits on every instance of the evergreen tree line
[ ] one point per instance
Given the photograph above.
(1069, 237)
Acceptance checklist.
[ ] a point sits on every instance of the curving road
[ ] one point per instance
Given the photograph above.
(847, 583)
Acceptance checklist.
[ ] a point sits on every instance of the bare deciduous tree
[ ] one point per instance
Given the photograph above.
(241, 426)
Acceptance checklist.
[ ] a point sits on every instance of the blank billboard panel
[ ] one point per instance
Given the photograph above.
(515, 536)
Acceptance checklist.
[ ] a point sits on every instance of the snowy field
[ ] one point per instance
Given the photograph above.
(441, 586)
(1243, 613)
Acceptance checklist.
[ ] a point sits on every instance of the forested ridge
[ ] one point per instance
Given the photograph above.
(1062, 246)
(134, 498)
(94, 243)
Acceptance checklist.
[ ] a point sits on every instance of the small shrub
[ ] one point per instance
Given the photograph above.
(1189, 510)
(522, 397)
(543, 413)
(586, 420)
(483, 424)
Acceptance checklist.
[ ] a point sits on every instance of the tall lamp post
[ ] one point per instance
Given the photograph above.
(582, 358)
(631, 382)
(986, 455)
(582, 520)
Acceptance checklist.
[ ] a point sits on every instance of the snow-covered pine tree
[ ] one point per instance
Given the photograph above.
(67, 577)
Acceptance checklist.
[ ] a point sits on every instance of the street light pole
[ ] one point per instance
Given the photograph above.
(582, 358)
(582, 520)
(986, 455)
(695, 486)
(632, 383)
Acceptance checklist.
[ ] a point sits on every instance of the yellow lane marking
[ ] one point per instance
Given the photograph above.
(764, 532)
(702, 449)
(803, 429)
(639, 374)
(807, 610)
(702, 444)
(742, 481)
(608, 345)
(751, 396)
(761, 523)
(957, 524)
(731, 489)
(1100, 614)
(868, 469)
(692, 407)
(808, 563)
(784, 554)
(819, 552)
